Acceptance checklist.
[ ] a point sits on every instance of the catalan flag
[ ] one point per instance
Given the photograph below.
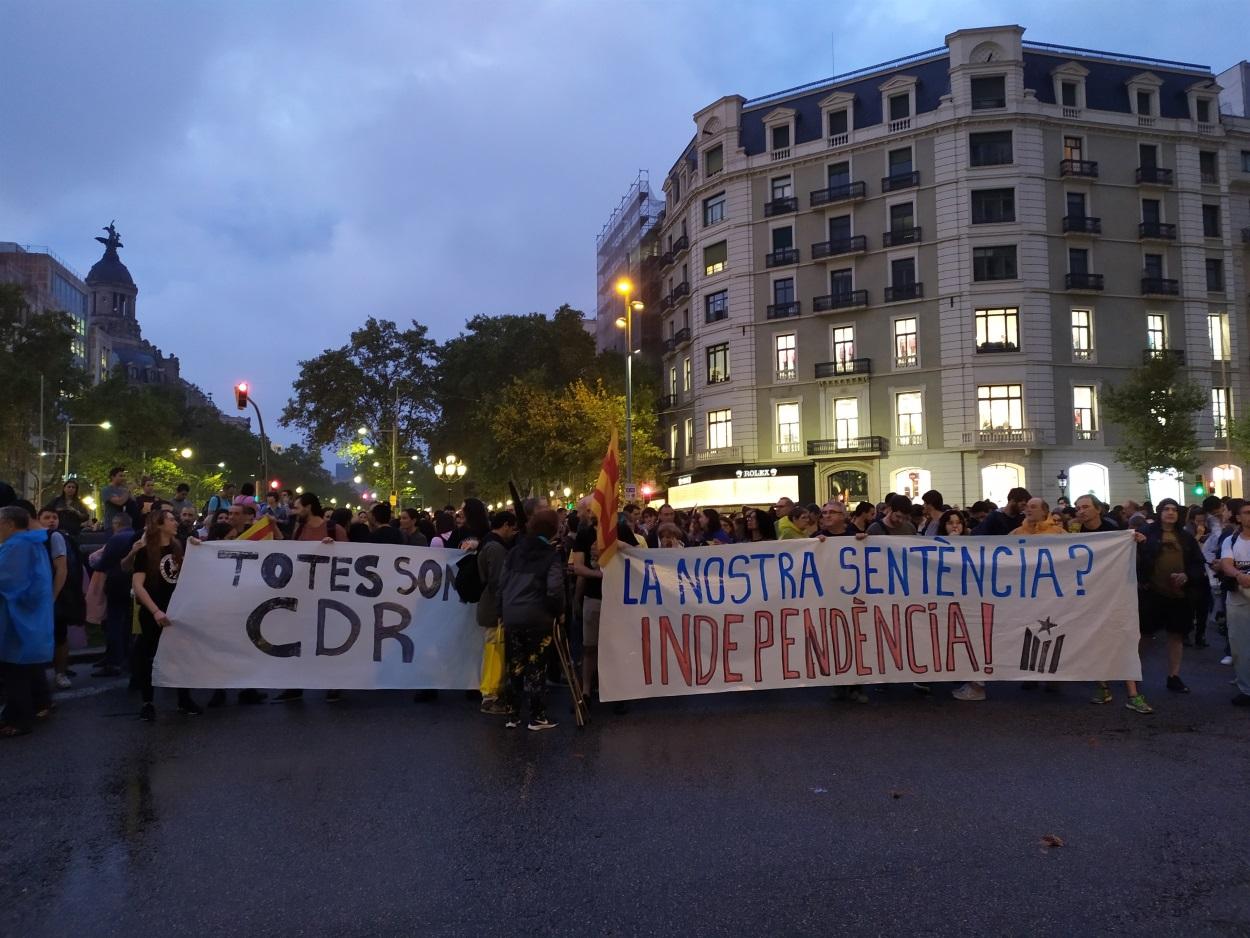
(603, 503)
(262, 530)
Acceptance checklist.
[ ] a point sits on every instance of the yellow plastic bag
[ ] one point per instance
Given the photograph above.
(493, 659)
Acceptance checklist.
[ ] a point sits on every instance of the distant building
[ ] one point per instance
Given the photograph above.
(48, 283)
(628, 246)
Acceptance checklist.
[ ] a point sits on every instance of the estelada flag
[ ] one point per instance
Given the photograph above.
(603, 502)
(262, 530)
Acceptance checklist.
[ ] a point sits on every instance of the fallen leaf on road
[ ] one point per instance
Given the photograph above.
(897, 793)
(1051, 840)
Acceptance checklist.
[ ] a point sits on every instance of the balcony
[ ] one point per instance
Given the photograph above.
(1085, 436)
(851, 444)
(910, 439)
(1083, 282)
(906, 291)
(1160, 286)
(781, 257)
(848, 190)
(1176, 355)
(1014, 436)
(853, 245)
(1153, 176)
(725, 454)
(900, 181)
(668, 402)
(1087, 169)
(848, 299)
(989, 348)
(681, 244)
(681, 290)
(786, 374)
(1081, 224)
(782, 154)
(783, 310)
(847, 368)
(900, 236)
(838, 140)
(666, 259)
(782, 206)
(1157, 231)
(1245, 235)
(681, 337)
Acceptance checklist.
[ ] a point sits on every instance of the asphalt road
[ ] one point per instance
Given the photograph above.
(773, 813)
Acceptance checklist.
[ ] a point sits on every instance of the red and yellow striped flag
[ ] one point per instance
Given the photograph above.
(603, 503)
(262, 530)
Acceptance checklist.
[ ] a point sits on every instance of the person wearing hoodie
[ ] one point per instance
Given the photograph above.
(530, 597)
(26, 626)
(1037, 520)
(794, 524)
(492, 554)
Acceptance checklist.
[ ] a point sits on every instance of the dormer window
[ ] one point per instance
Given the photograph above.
(779, 126)
(898, 102)
(900, 107)
(780, 138)
(1145, 104)
(1143, 92)
(1067, 93)
(988, 91)
(838, 109)
(1203, 108)
(838, 122)
(1069, 79)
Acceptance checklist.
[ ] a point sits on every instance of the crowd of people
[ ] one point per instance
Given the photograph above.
(539, 564)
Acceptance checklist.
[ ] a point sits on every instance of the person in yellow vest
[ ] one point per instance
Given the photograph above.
(1037, 520)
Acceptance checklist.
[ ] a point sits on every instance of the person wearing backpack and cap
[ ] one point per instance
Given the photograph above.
(531, 596)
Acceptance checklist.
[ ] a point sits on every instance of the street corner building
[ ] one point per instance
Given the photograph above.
(921, 274)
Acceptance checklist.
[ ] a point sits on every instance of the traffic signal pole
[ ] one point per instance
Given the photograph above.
(243, 397)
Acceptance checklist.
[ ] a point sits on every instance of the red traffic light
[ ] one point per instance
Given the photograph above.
(240, 395)
(274, 484)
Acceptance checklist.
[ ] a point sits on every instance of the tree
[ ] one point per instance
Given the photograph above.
(1156, 409)
(382, 379)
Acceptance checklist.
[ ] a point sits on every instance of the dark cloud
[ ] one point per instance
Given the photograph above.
(282, 170)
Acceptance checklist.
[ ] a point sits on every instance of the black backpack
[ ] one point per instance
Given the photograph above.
(468, 582)
(1227, 583)
(71, 603)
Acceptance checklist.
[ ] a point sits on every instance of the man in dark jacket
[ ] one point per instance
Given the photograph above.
(116, 595)
(530, 597)
(1003, 521)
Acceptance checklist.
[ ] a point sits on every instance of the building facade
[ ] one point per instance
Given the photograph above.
(923, 274)
(48, 283)
(628, 247)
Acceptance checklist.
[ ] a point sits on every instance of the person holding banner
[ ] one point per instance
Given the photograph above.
(155, 574)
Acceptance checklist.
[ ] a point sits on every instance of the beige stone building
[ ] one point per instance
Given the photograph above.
(922, 274)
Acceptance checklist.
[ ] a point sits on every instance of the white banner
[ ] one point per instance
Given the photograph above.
(304, 614)
(881, 610)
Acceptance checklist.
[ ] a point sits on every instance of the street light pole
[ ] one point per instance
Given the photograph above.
(626, 288)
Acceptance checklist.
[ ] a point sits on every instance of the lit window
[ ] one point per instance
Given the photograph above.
(672, 440)
(718, 363)
(1082, 335)
(714, 257)
(689, 428)
(846, 421)
(788, 438)
(1000, 407)
(1217, 331)
(844, 347)
(998, 330)
(719, 429)
(1083, 396)
(1156, 331)
(909, 410)
(906, 345)
(1219, 411)
(786, 357)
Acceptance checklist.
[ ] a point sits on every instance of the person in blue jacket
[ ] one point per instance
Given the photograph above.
(26, 634)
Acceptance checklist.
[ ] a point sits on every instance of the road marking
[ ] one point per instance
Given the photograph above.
(97, 686)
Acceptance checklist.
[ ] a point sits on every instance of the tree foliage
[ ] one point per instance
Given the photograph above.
(1155, 409)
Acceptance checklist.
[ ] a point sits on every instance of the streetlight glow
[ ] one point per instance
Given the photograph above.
(363, 431)
(105, 425)
(624, 286)
(186, 452)
(357, 479)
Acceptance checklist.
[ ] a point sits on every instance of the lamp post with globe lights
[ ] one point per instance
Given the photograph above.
(449, 469)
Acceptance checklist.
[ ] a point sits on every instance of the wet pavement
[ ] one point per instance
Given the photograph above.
(765, 813)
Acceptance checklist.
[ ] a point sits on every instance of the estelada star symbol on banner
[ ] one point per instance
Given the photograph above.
(1046, 625)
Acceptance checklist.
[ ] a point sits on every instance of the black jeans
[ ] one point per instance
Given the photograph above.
(527, 670)
(145, 655)
(26, 693)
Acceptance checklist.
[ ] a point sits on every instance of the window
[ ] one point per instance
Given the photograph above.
(842, 282)
(1217, 332)
(1152, 266)
(719, 429)
(1082, 335)
(1076, 204)
(1083, 411)
(1219, 411)
(714, 160)
(998, 330)
(1156, 331)
(1215, 275)
(782, 187)
(673, 435)
(1073, 148)
(903, 272)
(685, 373)
(900, 107)
(1210, 221)
(1151, 211)
(786, 356)
(902, 217)
(846, 421)
(783, 291)
(1148, 155)
(1000, 407)
(714, 257)
(1078, 261)
(994, 263)
(843, 346)
(1067, 93)
(1245, 161)
(900, 162)
(989, 91)
(1208, 168)
(714, 209)
(672, 380)
(689, 428)
(783, 238)
(781, 137)
(909, 418)
(788, 440)
(839, 174)
(1204, 110)
(716, 306)
(1145, 102)
(840, 228)
(906, 344)
(990, 149)
(718, 363)
(991, 206)
(838, 123)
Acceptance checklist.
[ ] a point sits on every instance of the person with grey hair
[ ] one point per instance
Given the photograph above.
(26, 642)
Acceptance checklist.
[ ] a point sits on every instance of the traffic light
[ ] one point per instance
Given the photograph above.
(240, 395)
(274, 485)
(1200, 488)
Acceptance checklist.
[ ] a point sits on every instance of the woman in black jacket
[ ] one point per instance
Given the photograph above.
(1169, 573)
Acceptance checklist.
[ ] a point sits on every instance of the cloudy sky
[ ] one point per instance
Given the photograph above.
(281, 170)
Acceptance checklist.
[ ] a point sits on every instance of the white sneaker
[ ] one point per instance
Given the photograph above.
(1226, 660)
(969, 691)
(63, 682)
